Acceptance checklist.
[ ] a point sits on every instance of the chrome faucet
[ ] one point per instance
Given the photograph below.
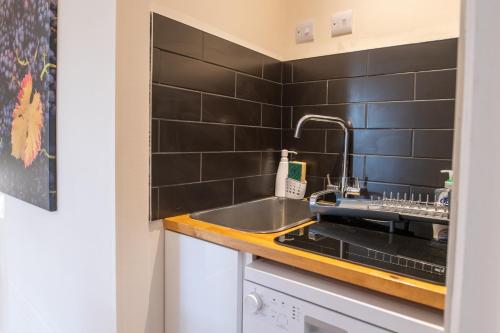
(343, 124)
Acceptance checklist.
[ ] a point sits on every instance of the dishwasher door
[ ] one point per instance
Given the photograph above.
(270, 311)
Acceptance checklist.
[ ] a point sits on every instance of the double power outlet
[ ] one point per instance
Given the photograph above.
(340, 24)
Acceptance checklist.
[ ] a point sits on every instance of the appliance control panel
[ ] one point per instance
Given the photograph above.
(268, 311)
(271, 308)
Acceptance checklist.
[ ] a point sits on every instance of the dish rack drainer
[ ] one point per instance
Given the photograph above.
(390, 209)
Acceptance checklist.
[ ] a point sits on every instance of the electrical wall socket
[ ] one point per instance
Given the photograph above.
(342, 23)
(304, 32)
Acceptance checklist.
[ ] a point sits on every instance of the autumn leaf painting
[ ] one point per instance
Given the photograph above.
(28, 101)
(27, 123)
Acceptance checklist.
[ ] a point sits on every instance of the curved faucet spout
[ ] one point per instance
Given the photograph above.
(327, 119)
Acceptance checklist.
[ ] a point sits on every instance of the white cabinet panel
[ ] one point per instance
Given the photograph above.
(203, 286)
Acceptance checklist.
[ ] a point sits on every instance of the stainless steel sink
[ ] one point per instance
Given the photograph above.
(260, 216)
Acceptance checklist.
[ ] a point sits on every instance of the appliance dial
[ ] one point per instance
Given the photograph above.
(253, 302)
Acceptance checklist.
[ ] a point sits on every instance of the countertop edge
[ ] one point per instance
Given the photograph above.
(263, 245)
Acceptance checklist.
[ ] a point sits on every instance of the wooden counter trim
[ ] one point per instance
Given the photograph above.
(263, 245)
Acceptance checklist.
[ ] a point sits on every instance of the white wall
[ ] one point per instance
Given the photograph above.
(58, 269)
(473, 302)
(376, 24)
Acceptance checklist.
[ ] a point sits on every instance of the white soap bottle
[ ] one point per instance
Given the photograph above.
(282, 175)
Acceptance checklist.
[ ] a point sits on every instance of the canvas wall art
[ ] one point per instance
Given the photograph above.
(28, 45)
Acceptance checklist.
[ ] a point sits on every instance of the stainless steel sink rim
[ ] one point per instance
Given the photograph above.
(252, 216)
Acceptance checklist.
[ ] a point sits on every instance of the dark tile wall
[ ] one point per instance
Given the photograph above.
(216, 121)
(221, 113)
(400, 102)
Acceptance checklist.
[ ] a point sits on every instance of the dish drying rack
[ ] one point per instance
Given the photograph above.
(389, 209)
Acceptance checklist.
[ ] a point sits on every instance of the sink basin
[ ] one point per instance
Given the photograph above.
(260, 216)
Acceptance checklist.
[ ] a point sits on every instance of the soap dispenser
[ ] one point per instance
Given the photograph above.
(281, 176)
(443, 196)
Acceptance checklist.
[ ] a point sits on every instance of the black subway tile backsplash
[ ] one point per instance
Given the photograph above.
(394, 87)
(272, 69)
(173, 36)
(311, 140)
(168, 169)
(307, 93)
(353, 113)
(228, 54)
(433, 143)
(436, 85)
(425, 114)
(187, 198)
(155, 136)
(260, 90)
(222, 112)
(177, 70)
(173, 103)
(226, 110)
(411, 171)
(178, 136)
(253, 188)
(256, 138)
(341, 65)
(413, 57)
(230, 165)
(382, 142)
(271, 116)
(269, 163)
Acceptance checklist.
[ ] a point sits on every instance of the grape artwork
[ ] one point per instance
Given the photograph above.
(28, 66)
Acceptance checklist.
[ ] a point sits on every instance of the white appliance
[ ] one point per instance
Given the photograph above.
(322, 305)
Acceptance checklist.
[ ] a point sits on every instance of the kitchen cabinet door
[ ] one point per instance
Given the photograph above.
(203, 286)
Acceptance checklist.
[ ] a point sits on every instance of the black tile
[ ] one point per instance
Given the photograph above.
(153, 213)
(314, 184)
(254, 138)
(155, 135)
(253, 188)
(319, 165)
(192, 137)
(373, 142)
(429, 114)
(413, 57)
(286, 117)
(272, 69)
(420, 172)
(354, 113)
(270, 162)
(433, 143)
(271, 116)
(356, 166)
(181, 199)
(229, 165)
(309, 93)
(172, 103)
(396, 87)
(180, 71)
(225, 53)
(155, 66)
(287, 72)
(169, 169)
(435, 85)
(258, 90)
(330, 67)
(377, 190)
(311, 140)
(226, 110)
(177, 37)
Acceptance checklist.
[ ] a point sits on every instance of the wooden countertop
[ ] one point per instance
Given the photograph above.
(263, 245)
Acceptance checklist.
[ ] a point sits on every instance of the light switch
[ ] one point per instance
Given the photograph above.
(304, 32)
(342, 23)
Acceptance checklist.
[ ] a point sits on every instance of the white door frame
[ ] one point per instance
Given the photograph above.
(473, 302)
